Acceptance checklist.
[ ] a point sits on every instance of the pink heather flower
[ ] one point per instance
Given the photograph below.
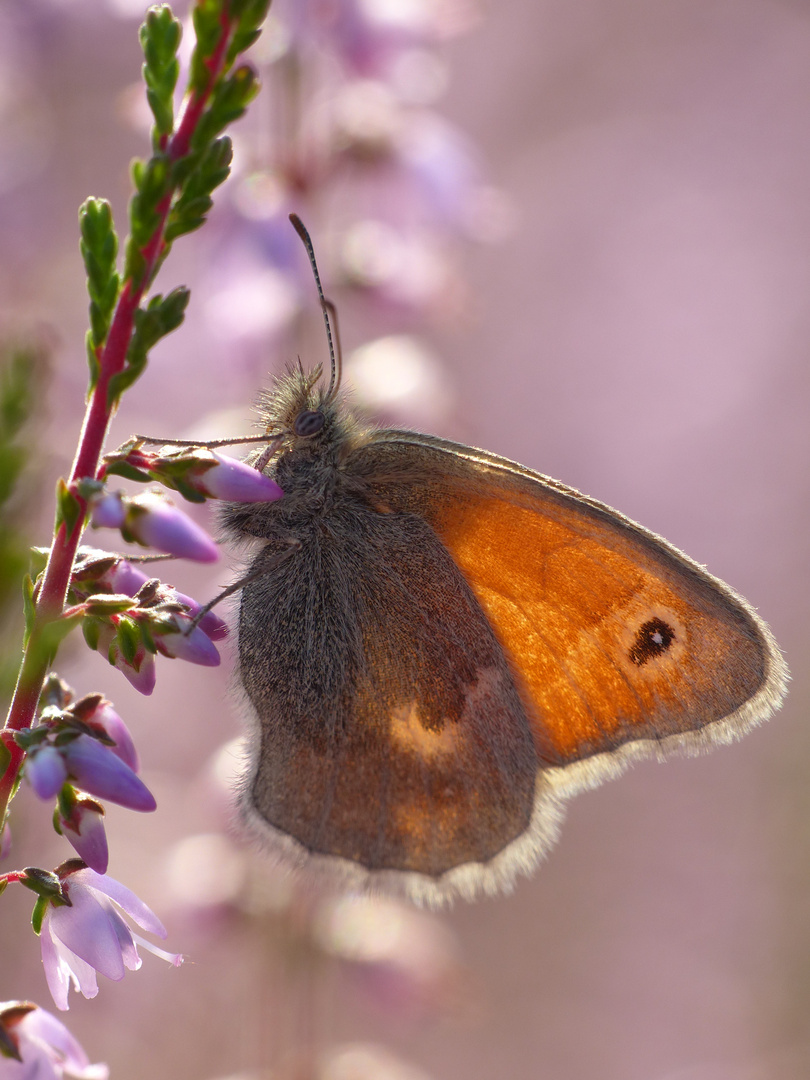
(236, 480)
(156, 522)
(153, 520)
(92, 936)
(210, 624)
(140, 673)
(92, 766)
(125, 578)
(107, 718)
(46, 771)
(96, 769)
(368, 36)
(196, 647)
(45, 1049)
(84, 828)
(109, 512)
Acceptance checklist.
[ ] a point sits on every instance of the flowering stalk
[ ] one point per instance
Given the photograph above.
(172, 197)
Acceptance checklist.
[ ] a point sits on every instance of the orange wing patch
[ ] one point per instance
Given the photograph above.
(610, 641)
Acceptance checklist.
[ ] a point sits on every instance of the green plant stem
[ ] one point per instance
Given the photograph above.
(56, 578)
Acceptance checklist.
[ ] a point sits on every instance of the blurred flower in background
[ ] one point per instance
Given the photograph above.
(401, 965)
(349, 137)
(34, 1045)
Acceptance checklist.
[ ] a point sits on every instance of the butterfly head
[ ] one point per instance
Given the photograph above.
(305, 416)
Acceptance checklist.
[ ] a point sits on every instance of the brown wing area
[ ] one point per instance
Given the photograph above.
(613, 634)
(391, 732)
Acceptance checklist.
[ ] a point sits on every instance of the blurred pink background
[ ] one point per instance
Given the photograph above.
(640, 332)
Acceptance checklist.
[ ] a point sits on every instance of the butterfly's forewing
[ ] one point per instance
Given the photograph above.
(620, 644)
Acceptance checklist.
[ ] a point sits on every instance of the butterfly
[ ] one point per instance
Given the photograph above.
(439, 646)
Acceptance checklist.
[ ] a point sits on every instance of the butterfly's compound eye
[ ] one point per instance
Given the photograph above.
(308, 423)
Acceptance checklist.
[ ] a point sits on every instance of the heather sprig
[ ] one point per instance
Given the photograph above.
(75, 750)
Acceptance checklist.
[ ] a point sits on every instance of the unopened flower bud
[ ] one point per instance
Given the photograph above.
(84, 828)
(196, 646)
(154, 521)
(235, 480)
(46, 771)
(98, 771)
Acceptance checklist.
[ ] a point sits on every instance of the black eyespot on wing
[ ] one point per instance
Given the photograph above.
(308, 423)
(654, 637)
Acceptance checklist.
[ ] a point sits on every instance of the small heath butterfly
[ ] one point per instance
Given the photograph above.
(439, 646)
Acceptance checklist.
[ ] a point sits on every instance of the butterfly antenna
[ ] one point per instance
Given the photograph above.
(328, 308)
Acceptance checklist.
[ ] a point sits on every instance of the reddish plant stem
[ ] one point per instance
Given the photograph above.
(13, 875)
(56, 578)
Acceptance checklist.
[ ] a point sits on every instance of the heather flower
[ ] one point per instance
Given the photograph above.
(98, 770)
(45, 770)
(34, 1045)
(109, 512)
(211, 624)
(91, 936)
(111, 723)
(99, 572)
(139, 670)
(194, 645)
(130, 640)
(83, 826)
(96, 571)
(93, 767)
(137, 663)
(194, 472)
(126, 578)
(232, 479)
(154, 521)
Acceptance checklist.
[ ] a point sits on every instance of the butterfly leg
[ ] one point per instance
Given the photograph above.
(293, 545)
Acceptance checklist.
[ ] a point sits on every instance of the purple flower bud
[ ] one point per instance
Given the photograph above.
(125, 578)
(236, 480)
(85, 831)
(157, 522)
(45, 1048)
(46, 770)
(106, 716)
(109, 511)
(140, 673)
(213, 626)
(195, 647)
(97, 770)
(210, 624)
